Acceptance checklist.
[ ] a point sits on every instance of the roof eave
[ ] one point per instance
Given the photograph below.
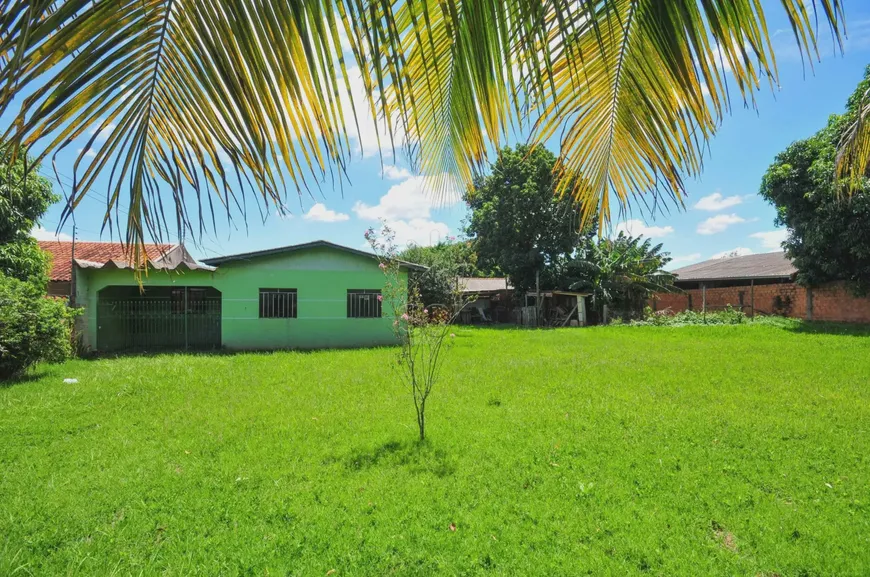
(731, 278)
(219, 260)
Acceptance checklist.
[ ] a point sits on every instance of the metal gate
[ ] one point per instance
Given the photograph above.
(158, 318)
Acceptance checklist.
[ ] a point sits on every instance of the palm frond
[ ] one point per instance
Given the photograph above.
(853, 156)
(207, 99)
(207, 105)
(653, 88)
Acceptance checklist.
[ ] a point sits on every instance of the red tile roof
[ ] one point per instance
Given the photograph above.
(101, 252)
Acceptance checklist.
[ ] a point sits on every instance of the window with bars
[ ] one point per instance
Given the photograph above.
(277, 303)
(363, 304)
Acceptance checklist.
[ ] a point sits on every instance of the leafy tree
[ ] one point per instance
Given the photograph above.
(24, 198)
(446, 262)
(32, 326)
(622, 272)
(828, 234)
(632, 89)
(519, 226)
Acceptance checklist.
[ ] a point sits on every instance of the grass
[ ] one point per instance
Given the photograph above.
(733, 450)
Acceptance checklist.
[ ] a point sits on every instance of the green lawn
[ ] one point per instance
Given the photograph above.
(610, 451)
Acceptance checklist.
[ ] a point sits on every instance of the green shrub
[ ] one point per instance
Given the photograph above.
(729, 316)
(33, 327)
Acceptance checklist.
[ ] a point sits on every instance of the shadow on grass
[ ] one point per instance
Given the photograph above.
(28, 377)
(98, 355)
(828, 328)
(417, 456)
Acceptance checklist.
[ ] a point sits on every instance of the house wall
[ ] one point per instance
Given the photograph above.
(831, 302)
(321, 277)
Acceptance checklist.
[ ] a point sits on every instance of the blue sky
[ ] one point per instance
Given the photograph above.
(723, 211)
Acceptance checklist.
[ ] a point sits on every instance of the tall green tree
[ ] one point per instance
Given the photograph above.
(520, 227)
(218, 99)
(621, 273)
(828, 234)
(24, 198)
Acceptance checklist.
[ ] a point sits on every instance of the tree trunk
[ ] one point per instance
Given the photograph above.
(421, 421)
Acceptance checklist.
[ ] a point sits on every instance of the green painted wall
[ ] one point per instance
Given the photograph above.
(321, 276)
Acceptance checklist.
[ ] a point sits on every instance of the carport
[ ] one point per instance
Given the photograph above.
(153, 318)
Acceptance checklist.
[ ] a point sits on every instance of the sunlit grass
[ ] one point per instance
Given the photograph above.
(671, 451)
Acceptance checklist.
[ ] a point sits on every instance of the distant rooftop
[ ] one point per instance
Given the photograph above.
(482, 285)
(770, 265)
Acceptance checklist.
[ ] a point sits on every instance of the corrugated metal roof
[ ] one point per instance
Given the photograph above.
(152, 265)
(754, 266)
(218, 260)
(480, 285)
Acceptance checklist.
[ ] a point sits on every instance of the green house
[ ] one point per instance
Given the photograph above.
(313, 295)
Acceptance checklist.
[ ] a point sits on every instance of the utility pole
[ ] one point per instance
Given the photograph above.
(538, 298)
(72, 269)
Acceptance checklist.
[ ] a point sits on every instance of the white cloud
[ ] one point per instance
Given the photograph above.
(716, 201)
(320, 213)
(772, 239)
(718, 223)
(419, 231)
(91, 152)
(39, 233)
(391, 172)
(685, 259)
(406, 208)
(738, 251)
(403, 201)
(104, 133)
(636, 227)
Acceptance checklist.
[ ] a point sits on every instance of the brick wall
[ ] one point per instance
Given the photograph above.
(832, 302)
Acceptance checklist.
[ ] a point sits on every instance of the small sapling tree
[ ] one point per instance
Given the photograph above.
(424, 332)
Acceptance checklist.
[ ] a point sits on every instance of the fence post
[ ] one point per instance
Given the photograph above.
(704, 301)
(752, 296)
(185, 318)
(809, 304)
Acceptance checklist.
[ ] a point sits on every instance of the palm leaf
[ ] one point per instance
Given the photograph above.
(222, 101)
(653, 89)
(853, 156)
(213, 98)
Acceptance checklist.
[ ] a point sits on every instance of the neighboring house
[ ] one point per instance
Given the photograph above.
(760, 284)
(60, 275)
(313, 295)
(493, 302)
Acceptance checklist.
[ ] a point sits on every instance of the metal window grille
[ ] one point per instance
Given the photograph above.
(363, 304)
(278, 303)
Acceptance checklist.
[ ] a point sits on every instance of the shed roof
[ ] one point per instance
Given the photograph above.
(482, 285)
(769, 265)
(218, 260)
(93, 252)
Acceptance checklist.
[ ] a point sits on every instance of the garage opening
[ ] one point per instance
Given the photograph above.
(158, 318)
